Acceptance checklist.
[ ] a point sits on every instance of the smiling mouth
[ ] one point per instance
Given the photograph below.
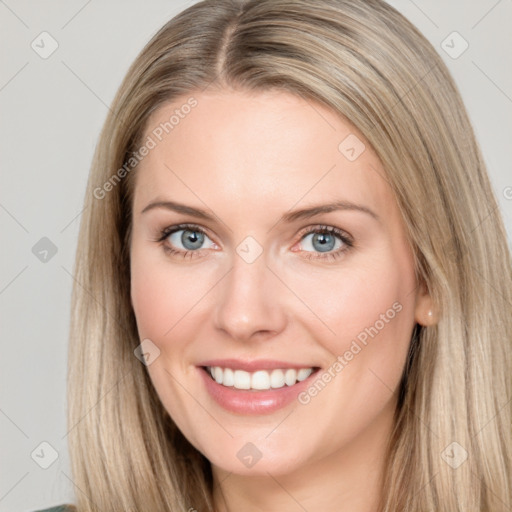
(260, 380)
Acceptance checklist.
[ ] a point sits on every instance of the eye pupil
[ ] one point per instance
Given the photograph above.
(192, 239)
(326, 241)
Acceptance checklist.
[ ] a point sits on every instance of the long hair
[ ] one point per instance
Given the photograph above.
(451, 448)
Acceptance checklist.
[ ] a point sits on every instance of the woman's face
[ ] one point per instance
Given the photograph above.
(268, 249)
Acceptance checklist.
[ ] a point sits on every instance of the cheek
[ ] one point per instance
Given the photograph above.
(370, 314)
(152, 298)
(162, 293)
(163, 298)
(367, 315)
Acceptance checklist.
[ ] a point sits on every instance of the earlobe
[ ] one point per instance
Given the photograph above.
(425, 312)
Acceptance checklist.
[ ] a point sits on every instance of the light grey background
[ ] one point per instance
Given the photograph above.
(52, 111)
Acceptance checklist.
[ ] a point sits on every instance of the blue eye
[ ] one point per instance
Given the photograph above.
(325, 242)
(189, 239)
(185, 239)
(322, 242)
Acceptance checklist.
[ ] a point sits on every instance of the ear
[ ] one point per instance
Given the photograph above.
(425, 312)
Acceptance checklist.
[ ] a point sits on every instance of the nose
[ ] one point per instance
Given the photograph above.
(250, 305)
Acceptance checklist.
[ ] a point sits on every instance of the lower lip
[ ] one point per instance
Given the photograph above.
(253, 401)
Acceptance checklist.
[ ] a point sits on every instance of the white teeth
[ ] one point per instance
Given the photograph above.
(229, 377)
(304, 373)
(277, 379)
(217, 375)
(242, 379)
(290, 377)
(258, 380)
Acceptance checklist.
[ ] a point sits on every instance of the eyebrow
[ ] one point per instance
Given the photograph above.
(290, 216)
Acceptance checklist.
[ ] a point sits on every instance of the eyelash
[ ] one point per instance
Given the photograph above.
(328, 256)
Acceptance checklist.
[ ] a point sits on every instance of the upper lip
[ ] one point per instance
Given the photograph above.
(254, 365)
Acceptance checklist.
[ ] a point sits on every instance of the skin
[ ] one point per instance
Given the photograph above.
(248, 158)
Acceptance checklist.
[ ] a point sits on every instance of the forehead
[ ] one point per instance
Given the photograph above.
(266, 150)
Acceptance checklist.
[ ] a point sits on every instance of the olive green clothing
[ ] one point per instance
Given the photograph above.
(60, 508)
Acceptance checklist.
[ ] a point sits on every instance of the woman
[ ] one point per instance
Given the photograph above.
(293, 285)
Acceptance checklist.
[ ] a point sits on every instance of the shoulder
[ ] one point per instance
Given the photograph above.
(60, 508)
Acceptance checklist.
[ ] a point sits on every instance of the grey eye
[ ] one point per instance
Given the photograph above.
(189, 239)
(321, 242)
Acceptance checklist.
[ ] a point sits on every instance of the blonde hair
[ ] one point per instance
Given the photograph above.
(366, 62)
